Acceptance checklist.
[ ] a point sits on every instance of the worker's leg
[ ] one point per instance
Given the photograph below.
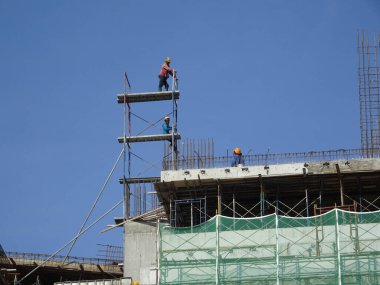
(166, 85)
(161, 82)
(175, 145)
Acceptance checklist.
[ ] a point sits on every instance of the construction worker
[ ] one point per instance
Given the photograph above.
(135, 282)
(166, 128)
(164, 74)
(238, 159)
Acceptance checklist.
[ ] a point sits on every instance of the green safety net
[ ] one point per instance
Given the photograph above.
(337, 247)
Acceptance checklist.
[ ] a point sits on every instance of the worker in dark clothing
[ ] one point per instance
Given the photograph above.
(238, 159)
(166, 128)
(164, 74)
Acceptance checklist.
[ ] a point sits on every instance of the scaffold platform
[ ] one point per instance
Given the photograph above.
(149, 138)
(139, 180)
(59, 267)
(147, 96)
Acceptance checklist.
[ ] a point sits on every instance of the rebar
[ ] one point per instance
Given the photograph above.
(195, 160)
(369, 96)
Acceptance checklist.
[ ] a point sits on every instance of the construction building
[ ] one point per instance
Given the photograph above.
(289, 218)
(310, 218)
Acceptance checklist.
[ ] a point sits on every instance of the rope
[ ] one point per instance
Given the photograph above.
(68, 243)
(147, 162)
(132, 194)
(153, 165)
(151, 125)
(96, 201)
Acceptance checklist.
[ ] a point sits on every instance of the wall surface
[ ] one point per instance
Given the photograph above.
(140, 252)
(272, 170)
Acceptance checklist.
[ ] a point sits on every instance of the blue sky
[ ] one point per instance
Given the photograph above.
(255, 74)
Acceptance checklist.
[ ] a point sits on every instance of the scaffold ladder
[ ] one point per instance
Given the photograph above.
(127, 99)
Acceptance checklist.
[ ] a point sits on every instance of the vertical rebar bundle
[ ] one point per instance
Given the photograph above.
(368, 75)
(191, 154)
(144, 198)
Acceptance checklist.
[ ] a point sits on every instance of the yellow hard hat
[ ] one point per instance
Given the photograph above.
(237, 150)
(135, 282)
(168, 59)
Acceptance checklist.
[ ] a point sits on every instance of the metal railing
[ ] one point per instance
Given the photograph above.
(198, 162)
(89, 264)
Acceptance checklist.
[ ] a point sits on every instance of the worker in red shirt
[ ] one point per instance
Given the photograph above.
(164, 74)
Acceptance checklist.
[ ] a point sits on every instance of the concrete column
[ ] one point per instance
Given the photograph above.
(140, 252)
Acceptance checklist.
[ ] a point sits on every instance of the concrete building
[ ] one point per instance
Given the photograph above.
(292, 218)
(295, 212)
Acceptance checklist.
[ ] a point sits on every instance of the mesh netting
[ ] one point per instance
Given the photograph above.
(337, 247)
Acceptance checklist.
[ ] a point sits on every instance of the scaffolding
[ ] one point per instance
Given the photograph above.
(139, 194)
(321, 181)
(33, 268)
(337, 247)
(369, 94)
(111, 252)
(109, 264)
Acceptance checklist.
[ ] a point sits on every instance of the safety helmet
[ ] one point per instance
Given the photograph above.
(167, 118)
(237, 150)
(135, 282)
(168, 59)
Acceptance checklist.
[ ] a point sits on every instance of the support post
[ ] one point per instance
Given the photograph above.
(205, 209)
(337, 240)
(200, 212)
(171, 213)
(175, 213)
(219, 200)
(158, 248)
(124, 145)
(127, 195)
(340, 185)
(233, 206)
(277, 250)
(306, 192)
(217, 251)
(174, 129)
(126, 206)
(360, 193)
(191, 213)
(261, 195)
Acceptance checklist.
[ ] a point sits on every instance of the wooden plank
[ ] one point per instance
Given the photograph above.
(139, 180)
(149, 138)
(100, 268)
(147, 97)
(119, 220)
(13, 261)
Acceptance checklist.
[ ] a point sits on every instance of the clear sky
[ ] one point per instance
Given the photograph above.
(255, 74)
